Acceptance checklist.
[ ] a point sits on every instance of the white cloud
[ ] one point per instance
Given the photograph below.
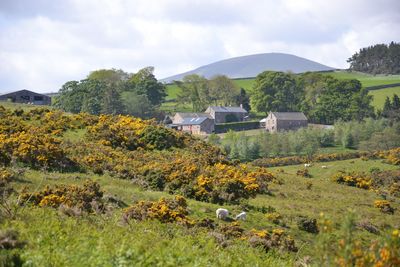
(45, 43)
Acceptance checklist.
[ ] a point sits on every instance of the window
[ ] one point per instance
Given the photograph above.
(38, 98)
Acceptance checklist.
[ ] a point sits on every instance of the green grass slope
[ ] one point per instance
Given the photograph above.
(54, 238)
(381, 94)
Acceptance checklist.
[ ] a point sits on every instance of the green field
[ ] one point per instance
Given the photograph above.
(381, 94)
(366, 80)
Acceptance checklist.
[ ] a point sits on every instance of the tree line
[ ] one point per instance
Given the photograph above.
(322, 98)
(200, 92)
(368, 135)
(377, 59)
(111, 91)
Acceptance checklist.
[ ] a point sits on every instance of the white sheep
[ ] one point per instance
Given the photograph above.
(324, 167)
(241, 216)
(222, 214)
(307, 165)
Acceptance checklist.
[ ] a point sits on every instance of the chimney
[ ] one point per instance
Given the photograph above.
(241, 105)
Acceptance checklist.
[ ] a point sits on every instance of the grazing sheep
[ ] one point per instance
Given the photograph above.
(241, 216)
(324, 167)
(307, 165)
(222, 214)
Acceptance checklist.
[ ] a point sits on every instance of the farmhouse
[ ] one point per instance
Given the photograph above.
(200, 125)
(227, 114)
(284, 121)
(26, 96)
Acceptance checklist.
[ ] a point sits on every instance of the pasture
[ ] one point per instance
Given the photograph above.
(104, 240)
(381, 94)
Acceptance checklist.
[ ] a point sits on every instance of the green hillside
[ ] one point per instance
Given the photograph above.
(366, 80)
(381, 94)
(118, 191)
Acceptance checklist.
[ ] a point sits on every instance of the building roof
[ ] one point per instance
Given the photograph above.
(193, 121)
(25, 91)
(227, 109)
(292, 116)
(193, 115)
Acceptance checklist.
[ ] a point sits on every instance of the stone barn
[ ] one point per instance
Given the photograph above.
(285, 121)
(227, 114)
(27, 97)
(200, 125)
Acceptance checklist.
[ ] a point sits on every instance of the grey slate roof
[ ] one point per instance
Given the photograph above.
(193, 121)
(193, 115)
(23, 90)
(292, 116)
(227, 109)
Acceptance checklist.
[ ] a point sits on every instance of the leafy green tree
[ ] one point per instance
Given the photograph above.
(145, 83)
(70, 97)
(223, 91)
(137, 105)
(112, 103)
(108, 76)
(275, 91)
(377, 59)
(195, 91)
(387, 107)
(243, 99)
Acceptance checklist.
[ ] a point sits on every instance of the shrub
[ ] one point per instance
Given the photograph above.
(384, 206)
(87, 197)
(303, 173)
(359, 180)
(268, 240)
(274, 217)
(164, 210)
(307, 224)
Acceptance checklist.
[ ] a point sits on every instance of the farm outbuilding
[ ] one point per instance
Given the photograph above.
(27, 97)
(227, 114)
(200, 125)
(285, 121)
(179, 117)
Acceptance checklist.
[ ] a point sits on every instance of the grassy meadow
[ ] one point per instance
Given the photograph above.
(105, 241)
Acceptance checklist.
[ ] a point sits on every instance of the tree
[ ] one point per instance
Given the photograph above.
(387, 107)
(83, 96)
(223, 91)
(377, 59)
(145, 83)
(137, 105)
(275, 91)
(195, 91)
(243, 100)
(108, 76)
(112, 103)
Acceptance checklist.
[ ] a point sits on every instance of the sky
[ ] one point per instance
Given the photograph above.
(45, 43)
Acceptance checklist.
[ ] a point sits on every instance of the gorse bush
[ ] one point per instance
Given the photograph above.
(133, 133)
(164, 210)
(359, 180)
(86, 198)
(130, 148)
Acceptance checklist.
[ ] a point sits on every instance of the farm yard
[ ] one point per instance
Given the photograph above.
(132, 205)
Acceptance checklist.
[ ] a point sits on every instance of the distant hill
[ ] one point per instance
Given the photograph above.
(252, 65)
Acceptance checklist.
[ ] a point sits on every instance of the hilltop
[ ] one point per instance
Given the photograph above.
(252, 65)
